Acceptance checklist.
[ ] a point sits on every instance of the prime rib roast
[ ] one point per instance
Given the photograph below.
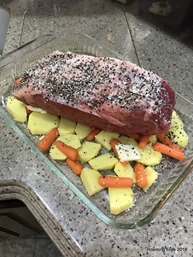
(102, 92)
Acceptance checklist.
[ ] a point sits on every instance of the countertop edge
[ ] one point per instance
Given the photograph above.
(17, 191)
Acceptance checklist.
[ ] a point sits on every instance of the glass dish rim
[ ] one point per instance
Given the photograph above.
(70, 184)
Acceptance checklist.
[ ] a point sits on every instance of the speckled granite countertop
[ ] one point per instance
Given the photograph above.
(69, 223)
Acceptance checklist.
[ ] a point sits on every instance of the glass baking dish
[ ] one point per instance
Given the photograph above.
(171, 172)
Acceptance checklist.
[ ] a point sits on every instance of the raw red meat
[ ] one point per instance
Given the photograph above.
(103, 92)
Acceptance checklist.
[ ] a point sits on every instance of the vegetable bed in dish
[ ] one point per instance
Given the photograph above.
(171, 172)
(103, 159)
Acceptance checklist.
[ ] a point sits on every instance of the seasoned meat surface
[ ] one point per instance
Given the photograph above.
(102, 92)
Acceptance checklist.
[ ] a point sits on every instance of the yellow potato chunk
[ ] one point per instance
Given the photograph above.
(176, 121)
(127, 141)
(149, 157)
(104, 138)
(88, 150)
(103, 162)
(89, 179)
(56, 154)
(124, 171)
(17, 109)
(177, 132)
(152, 139)
(66, 126)
(69, 139)
(82, 130)
(120, 199)
(42, 123)
(151, 177)
(179, 136)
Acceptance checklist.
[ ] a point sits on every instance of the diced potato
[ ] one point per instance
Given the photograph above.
(71, 140)
(127, 141)
(179, 136)
(176, 121)
(104, 138)
(149, 157)
(151, 177)
(152, 139)
(66, 126)
(124, 171)
(103, 162)
(177, 132)
(56, 154)
(89, 179)
(42, 123)
(120, 199)
(17, 109)
(88, 150)
(82, 130)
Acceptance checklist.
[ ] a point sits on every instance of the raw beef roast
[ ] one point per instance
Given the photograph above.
(102, 92)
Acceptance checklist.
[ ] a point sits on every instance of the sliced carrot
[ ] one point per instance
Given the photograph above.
(75, 166)
(143, 141)
(169, 151)
(134, 136)
(45, 142)
(28, 111)
(17, 81)
(92, 134)
(113, 144)
(113, 181)
(69, 151)
(140, 175)
(125, 163)
(163, 138)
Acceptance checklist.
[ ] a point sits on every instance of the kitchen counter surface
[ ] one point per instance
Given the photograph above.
(72, 226)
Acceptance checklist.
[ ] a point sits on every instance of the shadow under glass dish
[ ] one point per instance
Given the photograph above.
(171, 172)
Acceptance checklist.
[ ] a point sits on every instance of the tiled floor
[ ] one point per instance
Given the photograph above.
(28, 247)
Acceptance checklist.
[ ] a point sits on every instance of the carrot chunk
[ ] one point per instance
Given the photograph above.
(28, 111)
(113, 181)
(134, 136)
(143, 141)
(75, 166)
(113, 144)
(45, 143)
(92, 134)
(17, 81)
(140, 175)
(164, 139)
(69, 151)
(169, 151)
(124, 163)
